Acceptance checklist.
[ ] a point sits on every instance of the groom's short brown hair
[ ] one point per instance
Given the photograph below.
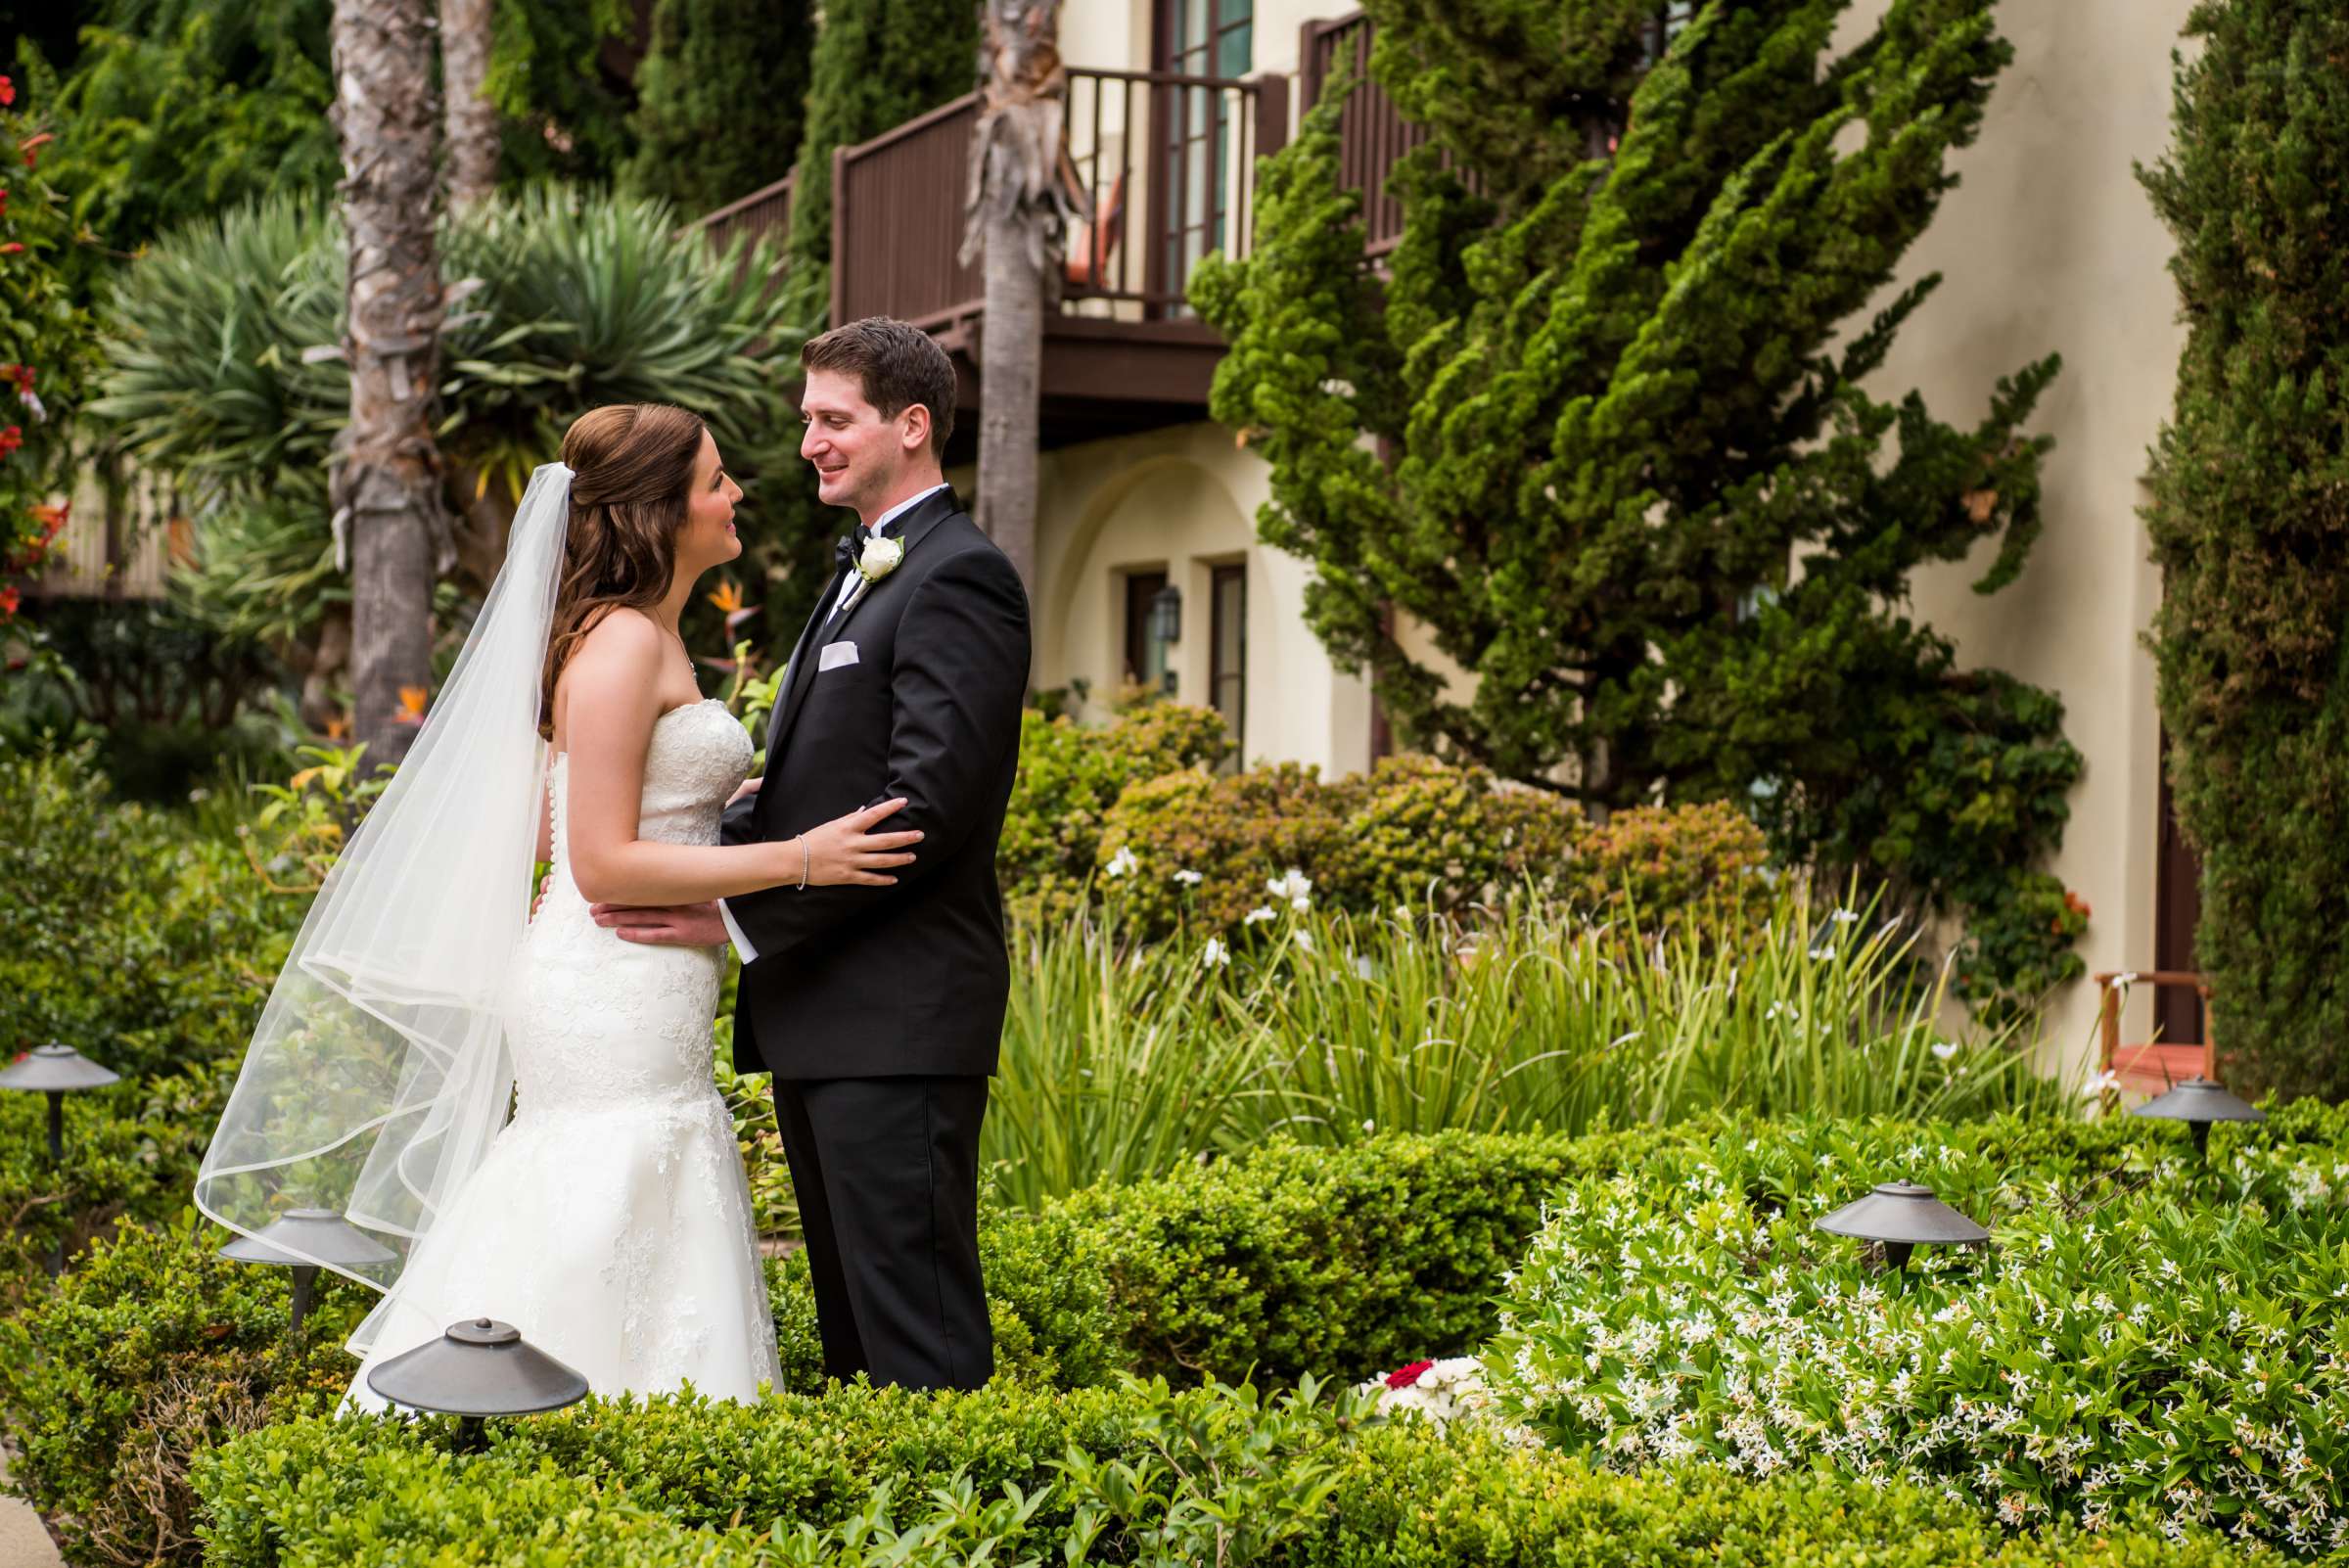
(897, 365)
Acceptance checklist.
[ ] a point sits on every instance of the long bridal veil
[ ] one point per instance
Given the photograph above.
(380, 1071)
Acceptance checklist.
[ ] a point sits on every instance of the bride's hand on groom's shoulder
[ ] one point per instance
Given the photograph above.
(684, 925)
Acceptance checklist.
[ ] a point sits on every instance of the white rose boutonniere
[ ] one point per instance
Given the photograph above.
(880, 558)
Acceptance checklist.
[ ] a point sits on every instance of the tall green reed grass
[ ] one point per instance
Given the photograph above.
(1123, 1059)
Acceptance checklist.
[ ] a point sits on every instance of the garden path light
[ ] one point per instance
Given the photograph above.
(305, 1239)
(1901, 1216)
(2198, 1102)
(57, 1070)
(479, 1367)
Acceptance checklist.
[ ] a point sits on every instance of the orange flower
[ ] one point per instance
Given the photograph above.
(338, 727)
(728, 596)
(411, 706)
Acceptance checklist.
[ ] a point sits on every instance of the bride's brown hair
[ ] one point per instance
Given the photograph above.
(631, 469)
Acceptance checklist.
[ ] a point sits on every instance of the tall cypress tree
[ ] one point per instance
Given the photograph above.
(1626, 475)
(2250, 525)
(720, 100)
(878, 63)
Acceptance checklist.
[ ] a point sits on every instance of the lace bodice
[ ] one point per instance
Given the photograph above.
(699, 754)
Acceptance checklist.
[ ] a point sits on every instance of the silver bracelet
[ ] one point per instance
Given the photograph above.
(802, 862)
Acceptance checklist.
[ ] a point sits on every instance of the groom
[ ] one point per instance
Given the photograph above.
(879, 1009)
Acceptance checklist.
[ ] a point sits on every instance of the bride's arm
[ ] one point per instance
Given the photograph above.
(610, 698)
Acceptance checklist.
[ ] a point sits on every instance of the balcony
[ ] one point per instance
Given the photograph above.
(1161, 166)
(1163, 169)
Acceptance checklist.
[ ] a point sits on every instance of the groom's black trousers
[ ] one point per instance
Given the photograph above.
(886, 1171)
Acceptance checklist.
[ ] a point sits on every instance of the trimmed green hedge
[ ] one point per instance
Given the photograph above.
(1280, 1264)
(1138, 1473)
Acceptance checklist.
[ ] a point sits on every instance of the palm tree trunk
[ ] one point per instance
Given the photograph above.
(1017, 217)
(465, 36)
(386, 484)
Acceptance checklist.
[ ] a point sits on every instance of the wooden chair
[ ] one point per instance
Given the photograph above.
(2153, 1067)
(1092, 245)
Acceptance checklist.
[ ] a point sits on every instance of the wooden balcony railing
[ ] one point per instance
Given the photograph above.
(763, 214)
(1161, 166)
(1372, 135)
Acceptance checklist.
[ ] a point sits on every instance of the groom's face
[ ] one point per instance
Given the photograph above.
(859, 457)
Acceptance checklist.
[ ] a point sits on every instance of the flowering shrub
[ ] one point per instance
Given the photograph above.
(47, 347)
(1415, 833)
(2140, 1331)
(1070, 776)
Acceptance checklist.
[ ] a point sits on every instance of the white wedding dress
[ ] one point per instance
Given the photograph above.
(610, 1220)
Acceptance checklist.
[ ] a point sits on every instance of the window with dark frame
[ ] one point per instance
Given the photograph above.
(1228, 653)
(1199, 39)
(1145, 656)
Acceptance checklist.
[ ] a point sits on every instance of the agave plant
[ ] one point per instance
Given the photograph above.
(226, 369)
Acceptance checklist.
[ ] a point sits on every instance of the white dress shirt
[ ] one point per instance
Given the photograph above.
(849, 587)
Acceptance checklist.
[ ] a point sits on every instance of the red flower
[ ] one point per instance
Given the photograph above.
(32, 146)
(1405, 1377)
(9, 600)
(11, 247)
(8, 91)
(22, 375)
(11, 438)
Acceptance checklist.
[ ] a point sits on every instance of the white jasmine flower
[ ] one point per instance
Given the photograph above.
(1260, 912)
(1945, 1048)
(1189, 878)
(1121, 864)
(1293, 886)
(1216, 954)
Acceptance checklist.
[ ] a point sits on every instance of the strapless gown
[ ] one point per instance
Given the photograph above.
(610, 1220)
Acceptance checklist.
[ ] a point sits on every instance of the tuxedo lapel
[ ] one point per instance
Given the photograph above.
(911, 528)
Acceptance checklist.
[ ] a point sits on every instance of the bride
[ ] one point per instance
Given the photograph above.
(608, 1219)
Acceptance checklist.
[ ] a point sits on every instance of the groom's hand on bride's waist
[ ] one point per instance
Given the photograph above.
(684, 925)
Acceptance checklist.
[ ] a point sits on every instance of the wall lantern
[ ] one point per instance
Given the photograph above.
(1903, 1215)
(56, 1071)
(304, 1239)
(480, 1367)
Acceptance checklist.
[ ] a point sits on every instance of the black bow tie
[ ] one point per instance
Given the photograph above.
(845, 552)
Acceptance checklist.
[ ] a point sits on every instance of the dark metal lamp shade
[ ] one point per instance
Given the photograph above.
(308, 1237)
(2198, 1102)
(477, 1368)
(1902, 1215)
(55, 1070)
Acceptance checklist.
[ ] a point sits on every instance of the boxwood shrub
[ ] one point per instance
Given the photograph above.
(2141, 1330)
(1138, 1473)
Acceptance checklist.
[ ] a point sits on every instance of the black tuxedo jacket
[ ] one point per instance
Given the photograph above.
(858, 982)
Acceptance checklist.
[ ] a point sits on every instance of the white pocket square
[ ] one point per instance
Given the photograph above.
(834, 654)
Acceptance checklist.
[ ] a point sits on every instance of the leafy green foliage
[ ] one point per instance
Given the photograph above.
(149, 1351)
(174, 109)
(1623, 478)
(2141, 1330)
(1069, 777)
(2249, 519)
(48, 340)
(720, 100)
(226, 371)
(1140, 1473)
(555, 77)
